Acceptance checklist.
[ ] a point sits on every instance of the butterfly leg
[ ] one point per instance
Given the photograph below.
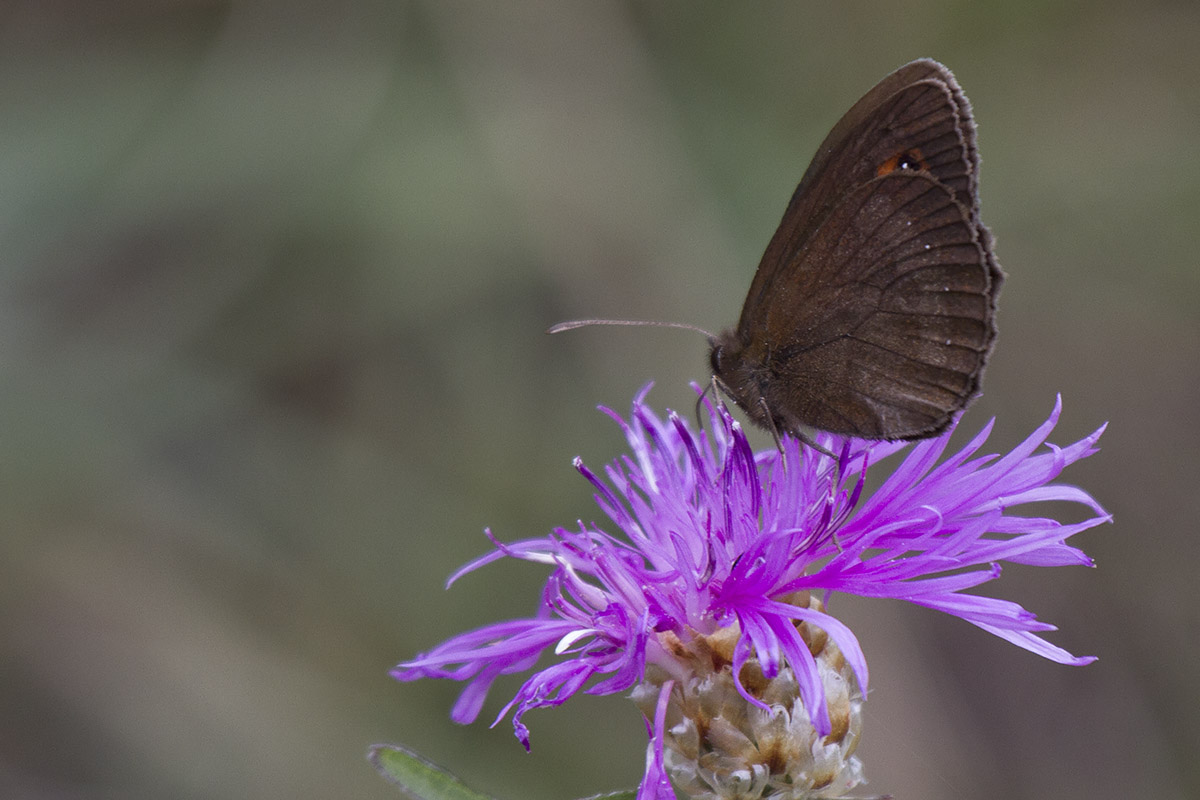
(774, 430)
(809, 442)
(712, 386)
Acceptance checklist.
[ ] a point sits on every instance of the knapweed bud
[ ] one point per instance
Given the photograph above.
(720, 746)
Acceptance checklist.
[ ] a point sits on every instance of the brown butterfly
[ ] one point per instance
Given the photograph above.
(872, 310)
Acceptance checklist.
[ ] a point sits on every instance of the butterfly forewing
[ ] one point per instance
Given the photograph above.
(916, 113)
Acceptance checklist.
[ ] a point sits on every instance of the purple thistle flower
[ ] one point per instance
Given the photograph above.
(709, 598)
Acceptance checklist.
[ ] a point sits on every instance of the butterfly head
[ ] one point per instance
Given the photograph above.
(738, 376)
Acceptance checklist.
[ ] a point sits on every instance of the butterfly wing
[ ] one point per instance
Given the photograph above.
(871, 313)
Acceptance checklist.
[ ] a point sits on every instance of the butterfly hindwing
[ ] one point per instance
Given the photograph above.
(890, 343)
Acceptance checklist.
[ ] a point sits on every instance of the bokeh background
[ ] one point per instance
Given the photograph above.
(274, 278)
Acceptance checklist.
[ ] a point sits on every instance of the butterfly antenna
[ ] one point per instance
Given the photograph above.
(583, 323)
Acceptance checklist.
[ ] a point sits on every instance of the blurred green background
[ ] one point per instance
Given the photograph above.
(274, 281)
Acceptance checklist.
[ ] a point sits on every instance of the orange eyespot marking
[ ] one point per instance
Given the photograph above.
(909, 159)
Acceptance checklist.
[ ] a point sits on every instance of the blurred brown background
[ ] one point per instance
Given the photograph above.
(274, 279)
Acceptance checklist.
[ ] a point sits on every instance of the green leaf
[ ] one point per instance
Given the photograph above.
(421, 779)
(416, 777)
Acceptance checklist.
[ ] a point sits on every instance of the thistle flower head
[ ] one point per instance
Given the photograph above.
(708, 597)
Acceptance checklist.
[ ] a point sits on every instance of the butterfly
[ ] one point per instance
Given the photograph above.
(872, 313)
